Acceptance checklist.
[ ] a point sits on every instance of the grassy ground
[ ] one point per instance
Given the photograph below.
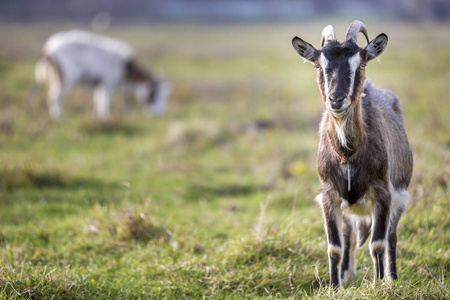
(215, 199)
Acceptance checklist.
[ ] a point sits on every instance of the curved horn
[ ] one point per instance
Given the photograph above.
(327, 35)
(354, 29)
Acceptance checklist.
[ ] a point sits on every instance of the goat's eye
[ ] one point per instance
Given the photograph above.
(362, 65)
(317, 66)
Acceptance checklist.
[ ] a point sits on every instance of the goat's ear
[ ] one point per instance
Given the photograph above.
(304, 49)
(376, 47)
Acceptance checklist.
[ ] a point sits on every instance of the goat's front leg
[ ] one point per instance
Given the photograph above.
(332, 215)
(348, 267)
(380, 226)
(102, 100)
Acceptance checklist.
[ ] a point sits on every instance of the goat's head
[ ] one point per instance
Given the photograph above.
(148, 89)
(158, 97)
(153, 94)
(341, 66)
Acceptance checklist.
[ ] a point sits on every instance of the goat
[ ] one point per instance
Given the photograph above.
(80, 57)
(364, 160)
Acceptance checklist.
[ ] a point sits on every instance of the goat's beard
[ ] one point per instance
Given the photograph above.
(342, 126)
(342, 113)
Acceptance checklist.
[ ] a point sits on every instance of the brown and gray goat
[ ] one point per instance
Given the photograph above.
(365, 162)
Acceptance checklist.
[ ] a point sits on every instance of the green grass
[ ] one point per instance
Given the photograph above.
(215, 199)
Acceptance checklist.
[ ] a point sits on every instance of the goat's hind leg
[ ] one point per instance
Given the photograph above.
(56, 90)
(392, 243)
(54, 101)
(348, 267)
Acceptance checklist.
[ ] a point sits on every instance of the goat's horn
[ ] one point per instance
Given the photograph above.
(327, 35)
(354, 29)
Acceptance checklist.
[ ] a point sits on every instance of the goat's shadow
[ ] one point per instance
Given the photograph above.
(111, 126)
(202, 191)
(29, 177)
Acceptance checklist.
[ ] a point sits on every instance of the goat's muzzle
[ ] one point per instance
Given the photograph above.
(337, 99)
(337, 109)
(336, 102)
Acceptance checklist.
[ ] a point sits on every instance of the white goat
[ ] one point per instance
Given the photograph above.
(80, 57)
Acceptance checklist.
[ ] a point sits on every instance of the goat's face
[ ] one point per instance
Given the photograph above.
(154, 95)
(158, 98)
(340, 66)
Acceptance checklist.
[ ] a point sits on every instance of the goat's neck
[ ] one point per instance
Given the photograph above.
(347, 132)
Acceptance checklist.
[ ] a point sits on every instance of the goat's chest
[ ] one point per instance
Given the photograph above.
(350, 180)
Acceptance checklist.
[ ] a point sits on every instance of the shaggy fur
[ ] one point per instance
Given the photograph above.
(364, 126)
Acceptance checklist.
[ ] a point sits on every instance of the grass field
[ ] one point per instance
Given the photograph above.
(214, 199)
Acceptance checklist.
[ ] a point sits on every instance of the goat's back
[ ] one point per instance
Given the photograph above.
(87, 57)
(88, 39)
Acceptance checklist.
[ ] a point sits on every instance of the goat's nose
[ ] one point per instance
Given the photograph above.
(336, 99)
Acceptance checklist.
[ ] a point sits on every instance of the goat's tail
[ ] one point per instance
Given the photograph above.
(41, 70)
